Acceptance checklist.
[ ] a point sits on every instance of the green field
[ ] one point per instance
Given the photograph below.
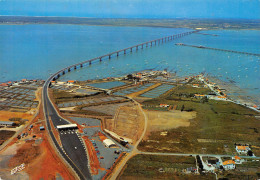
(148, 166)
(217, 124)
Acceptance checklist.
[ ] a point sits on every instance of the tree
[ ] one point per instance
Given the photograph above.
(182, 107)
(250, 153)
(130, 76)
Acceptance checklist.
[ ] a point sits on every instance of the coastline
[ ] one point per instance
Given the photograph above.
(231, 89)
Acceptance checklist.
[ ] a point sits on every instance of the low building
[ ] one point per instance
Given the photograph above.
(67, 126)
(60, 83)
(42, 128)
(109, 143)
(238, 160)
(195, 85)
(164, 105)
(190, 170)
(70, 82)
(242, 149)
(199, 95)
(4, 85)
(229, 164)
(7, 123)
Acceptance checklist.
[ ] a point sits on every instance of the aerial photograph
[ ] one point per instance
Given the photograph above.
(129, 89)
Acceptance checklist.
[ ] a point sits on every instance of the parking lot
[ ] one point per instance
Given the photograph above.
(106, 156)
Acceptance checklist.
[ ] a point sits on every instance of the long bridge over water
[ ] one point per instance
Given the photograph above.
(121, 52)
(217, 49)
(76, 159)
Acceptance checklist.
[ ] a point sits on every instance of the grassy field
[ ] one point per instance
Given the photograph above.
(217, 123)
(147, 167)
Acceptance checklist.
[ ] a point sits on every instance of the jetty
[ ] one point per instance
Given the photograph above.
(217, 49)
(206, 34)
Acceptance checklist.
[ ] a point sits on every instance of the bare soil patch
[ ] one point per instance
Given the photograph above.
(165, 120)
(128, 122)
(6, 115)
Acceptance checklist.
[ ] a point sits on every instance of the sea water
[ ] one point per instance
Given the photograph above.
(36, 51)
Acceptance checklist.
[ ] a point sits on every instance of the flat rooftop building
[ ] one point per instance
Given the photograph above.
(67, 126)
(109, 143)
(7, 123)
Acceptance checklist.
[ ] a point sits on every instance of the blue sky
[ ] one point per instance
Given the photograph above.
(249, 9)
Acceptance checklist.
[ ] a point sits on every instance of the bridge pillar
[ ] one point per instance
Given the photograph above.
(162, 40)
(117, 54)
(69, 70)
(109, 57)
(58, 75)
(124, 52)
(168, 38)
(155, 42)
(130, 49)
(151, 43)
(81, 65)
(89, 63)
(75, 67)
(63, 72)
(137, 48)
(142, 46)
(100, 59)
(146, 44)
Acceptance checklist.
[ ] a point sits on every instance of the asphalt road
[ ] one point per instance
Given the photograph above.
(76, 158)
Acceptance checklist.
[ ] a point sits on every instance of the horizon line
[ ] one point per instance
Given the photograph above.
(133, 17)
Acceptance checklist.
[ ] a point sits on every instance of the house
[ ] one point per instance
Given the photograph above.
(238, 160)
(164, 105)
(4, 85)
(199, 95)
(222, 98)
(60, 83)
(242, 149)
(70, 82)
(229, 164)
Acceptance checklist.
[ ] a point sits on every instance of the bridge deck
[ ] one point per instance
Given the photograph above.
(146, 44)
